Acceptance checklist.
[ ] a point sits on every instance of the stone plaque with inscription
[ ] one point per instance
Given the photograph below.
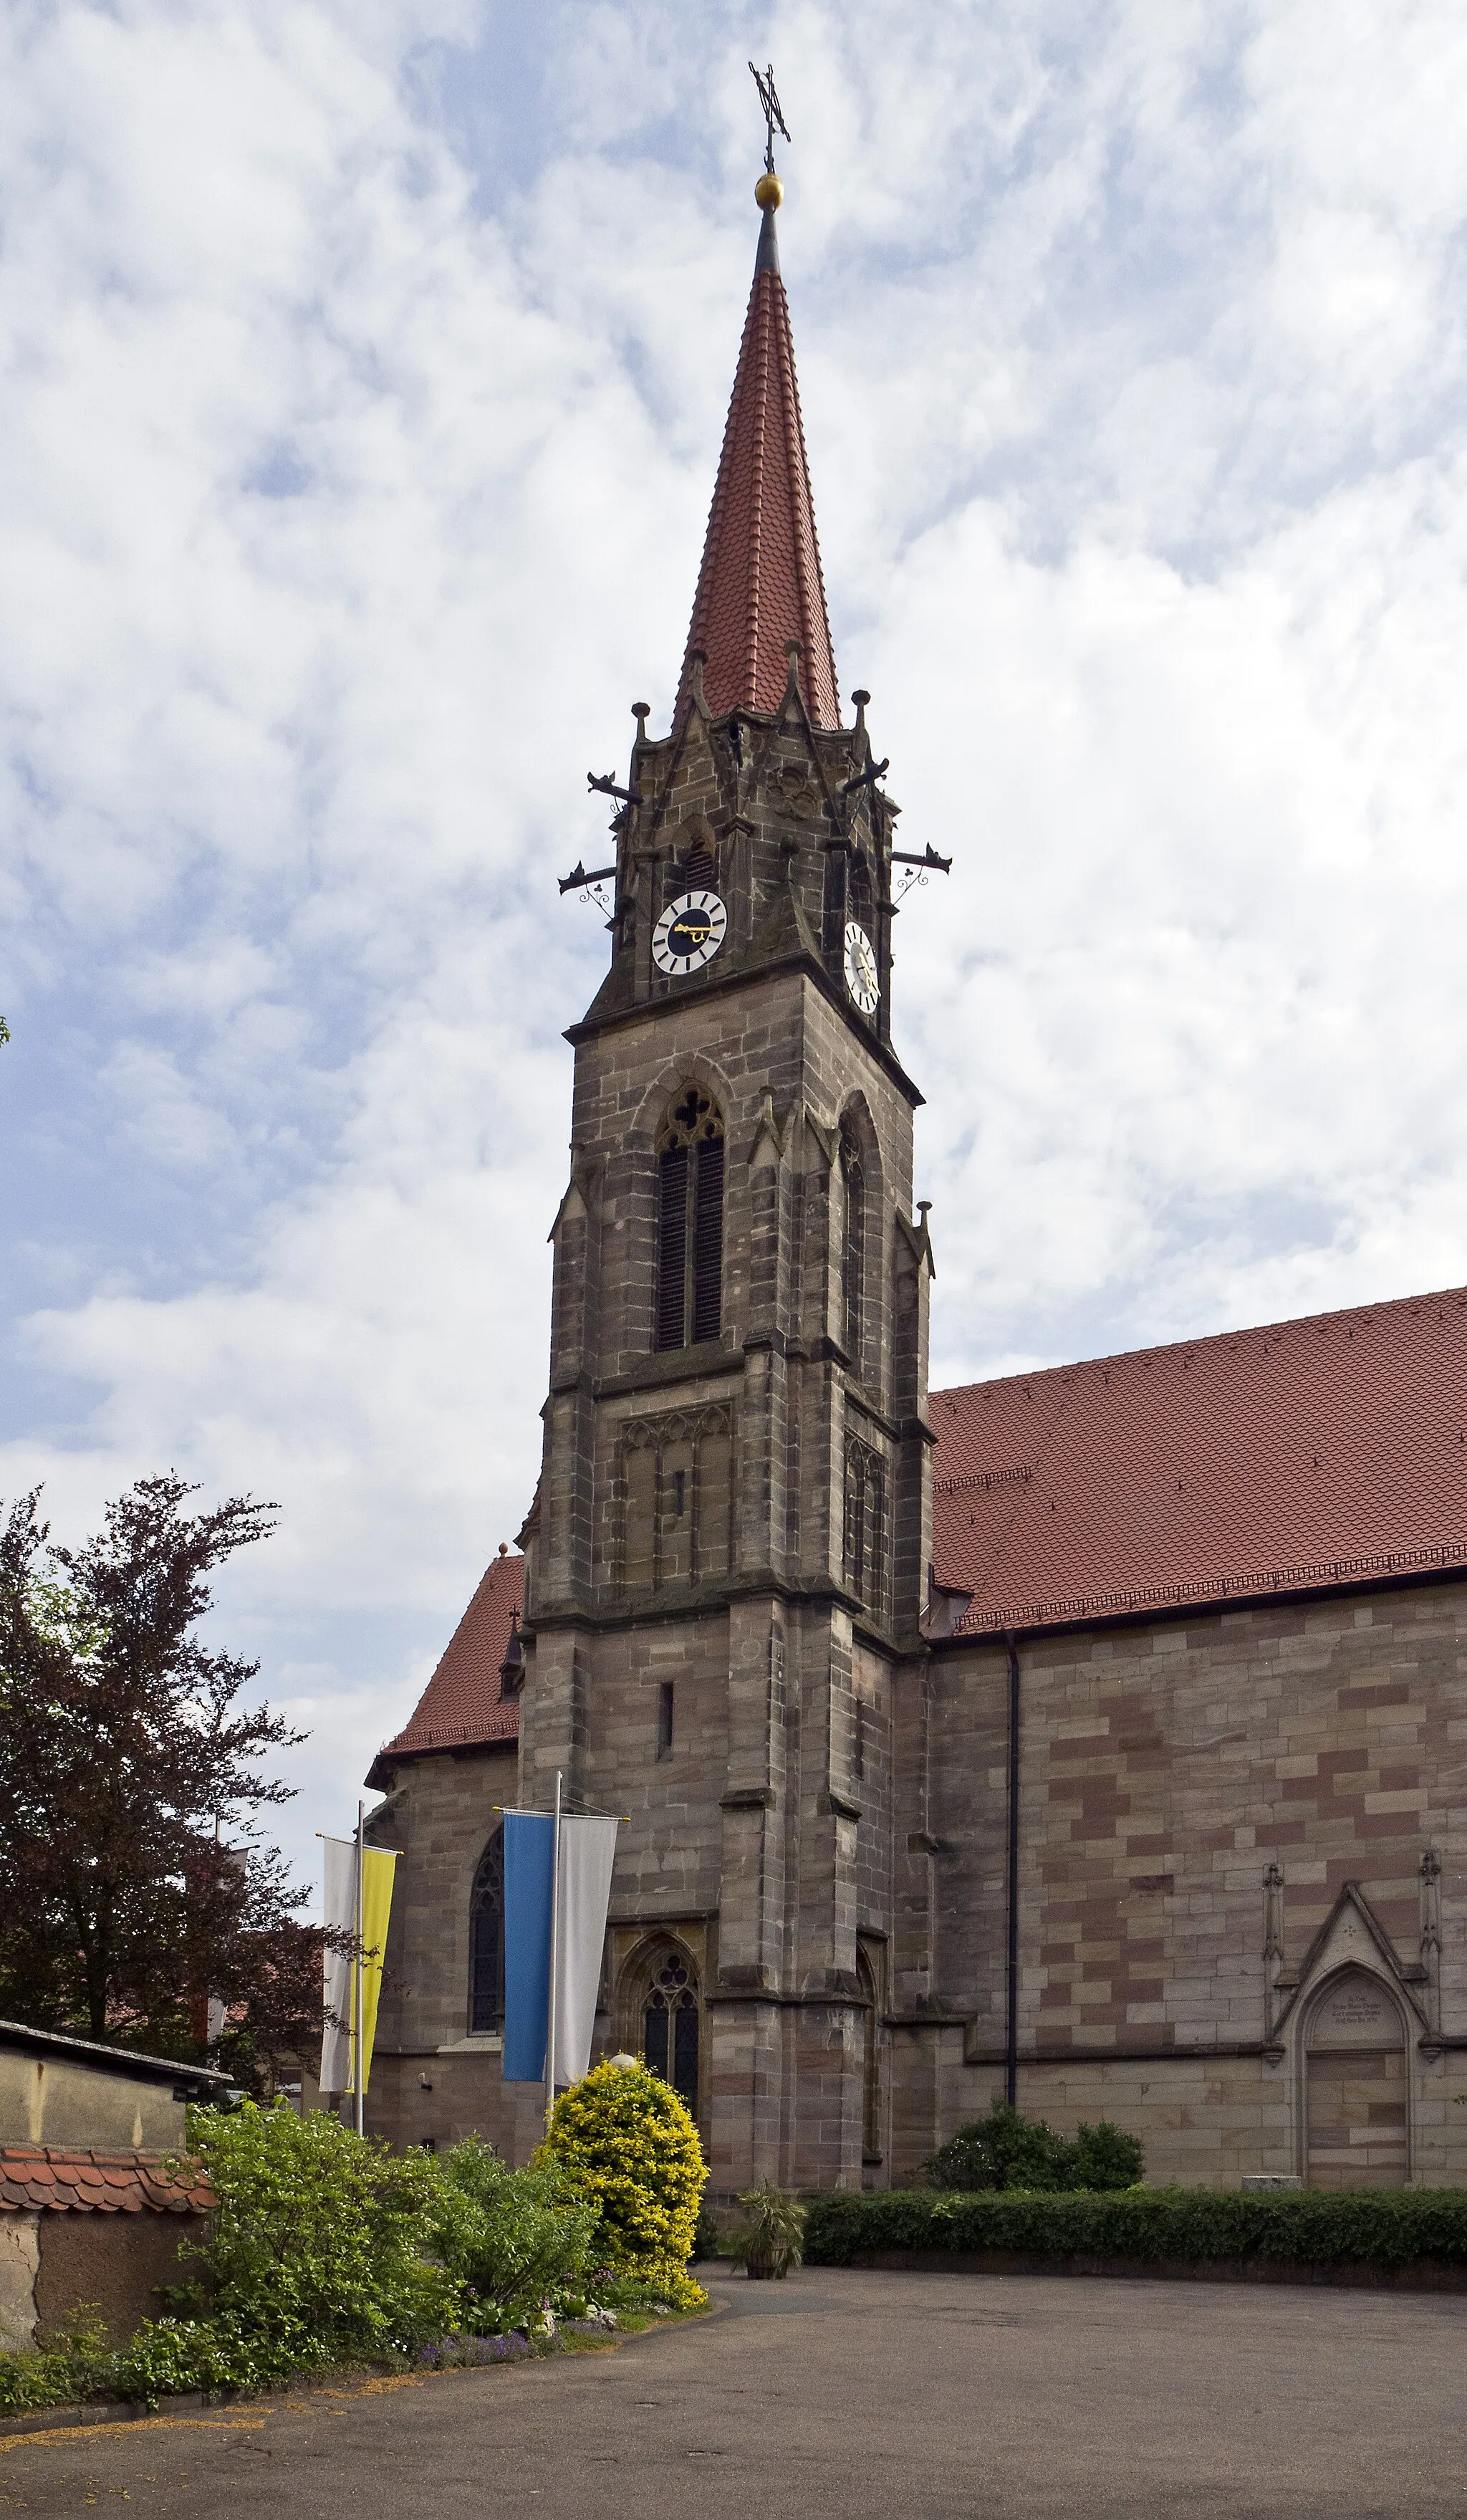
(1357, 2012)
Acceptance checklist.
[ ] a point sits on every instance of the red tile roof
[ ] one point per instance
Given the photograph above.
(36, 2177)
(760, 584)
(1266, 1460)
(461, 1705)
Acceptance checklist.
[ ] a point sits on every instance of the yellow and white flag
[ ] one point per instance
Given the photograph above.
(338, 2039)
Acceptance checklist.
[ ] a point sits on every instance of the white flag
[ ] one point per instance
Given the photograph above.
(588, 1851)
(340, 1863)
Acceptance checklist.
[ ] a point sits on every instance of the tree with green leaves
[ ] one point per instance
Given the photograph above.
(134, 1880)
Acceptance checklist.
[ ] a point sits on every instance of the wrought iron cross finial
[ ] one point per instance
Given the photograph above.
(768, 98)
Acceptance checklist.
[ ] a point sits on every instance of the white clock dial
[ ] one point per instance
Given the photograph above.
(689, 932)
(861, 976)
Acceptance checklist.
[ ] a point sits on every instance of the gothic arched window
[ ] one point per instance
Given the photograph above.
(669, 2025)
(689, 1222)
(870, 2062)
(486, 1941)
(866, 1524)
(853, 1242)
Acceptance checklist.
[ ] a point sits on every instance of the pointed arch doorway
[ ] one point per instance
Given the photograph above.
(1356, 2127)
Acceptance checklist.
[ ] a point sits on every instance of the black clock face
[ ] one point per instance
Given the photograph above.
(689, 932)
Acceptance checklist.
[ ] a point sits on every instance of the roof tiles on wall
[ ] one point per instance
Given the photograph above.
(41, 2178)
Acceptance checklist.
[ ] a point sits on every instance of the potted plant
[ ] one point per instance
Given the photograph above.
(768, 2238)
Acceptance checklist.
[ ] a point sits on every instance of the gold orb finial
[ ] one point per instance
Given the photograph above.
(768, 192)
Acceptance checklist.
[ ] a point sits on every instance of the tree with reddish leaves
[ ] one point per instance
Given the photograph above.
(134, 1879)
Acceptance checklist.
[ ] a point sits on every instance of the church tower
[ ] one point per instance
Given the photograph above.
(727, 1556)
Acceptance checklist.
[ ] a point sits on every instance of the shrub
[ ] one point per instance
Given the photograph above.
(74, 2364)
(1008, 2150)
(1151, 2226)
(327, 2248)
(512, 2237)
(707, 2239)
(166, 2357)
(1105, 2159)
(623, 2140)
(320, 2235)
(768, 2238)
(1002, 2150)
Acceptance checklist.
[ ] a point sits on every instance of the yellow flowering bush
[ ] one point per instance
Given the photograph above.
(623, 2138)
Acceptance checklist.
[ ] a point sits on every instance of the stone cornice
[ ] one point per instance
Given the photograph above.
(698, 992)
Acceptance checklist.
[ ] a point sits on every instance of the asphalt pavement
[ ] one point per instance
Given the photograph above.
(919, 2395)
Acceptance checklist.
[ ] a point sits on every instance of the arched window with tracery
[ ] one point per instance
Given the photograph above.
(871, 2063)
(486, 1941)
(690, 1221)
(853, 1242)
(669, 2022)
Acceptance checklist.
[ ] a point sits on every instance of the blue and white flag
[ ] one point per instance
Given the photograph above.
(588, 1851)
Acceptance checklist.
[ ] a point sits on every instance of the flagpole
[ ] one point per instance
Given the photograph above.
(549, 2027)
(359, 2006)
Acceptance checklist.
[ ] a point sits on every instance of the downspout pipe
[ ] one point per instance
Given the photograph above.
(1012, 2023)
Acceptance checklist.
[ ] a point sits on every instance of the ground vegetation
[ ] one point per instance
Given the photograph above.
(1384, 2228)
(623, 2139)
(1008, 2150)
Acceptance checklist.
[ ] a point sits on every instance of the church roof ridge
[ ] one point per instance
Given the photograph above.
(1209, 1339)
(1267, 1460)
(760, 585)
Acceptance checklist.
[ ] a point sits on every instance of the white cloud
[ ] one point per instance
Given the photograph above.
(366, 374)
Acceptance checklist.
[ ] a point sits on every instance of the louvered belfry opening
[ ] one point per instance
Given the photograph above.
(690, 1221)
(853, 1240)
(697, 871)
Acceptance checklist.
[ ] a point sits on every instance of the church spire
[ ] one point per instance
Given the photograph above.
(760, 585)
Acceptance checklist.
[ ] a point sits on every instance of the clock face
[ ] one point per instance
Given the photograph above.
(689, 932)
(861, 976)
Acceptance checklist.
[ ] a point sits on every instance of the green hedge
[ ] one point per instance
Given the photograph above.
(1151, 2226)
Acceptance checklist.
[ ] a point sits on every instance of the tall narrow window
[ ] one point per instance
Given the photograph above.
(853, 1242)
(486, 1941)
(689, 1222)
(866, 1524)
(871, 2076)
(708, 1241)
(665, 1719)
(670, 2027)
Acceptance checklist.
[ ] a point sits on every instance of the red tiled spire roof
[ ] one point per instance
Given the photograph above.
(1331, 1450)
(760, 584)
(461, 1704)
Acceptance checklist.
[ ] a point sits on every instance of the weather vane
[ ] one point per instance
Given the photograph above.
(768, 98)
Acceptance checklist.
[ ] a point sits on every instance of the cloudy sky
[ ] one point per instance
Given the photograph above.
(364, 371)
